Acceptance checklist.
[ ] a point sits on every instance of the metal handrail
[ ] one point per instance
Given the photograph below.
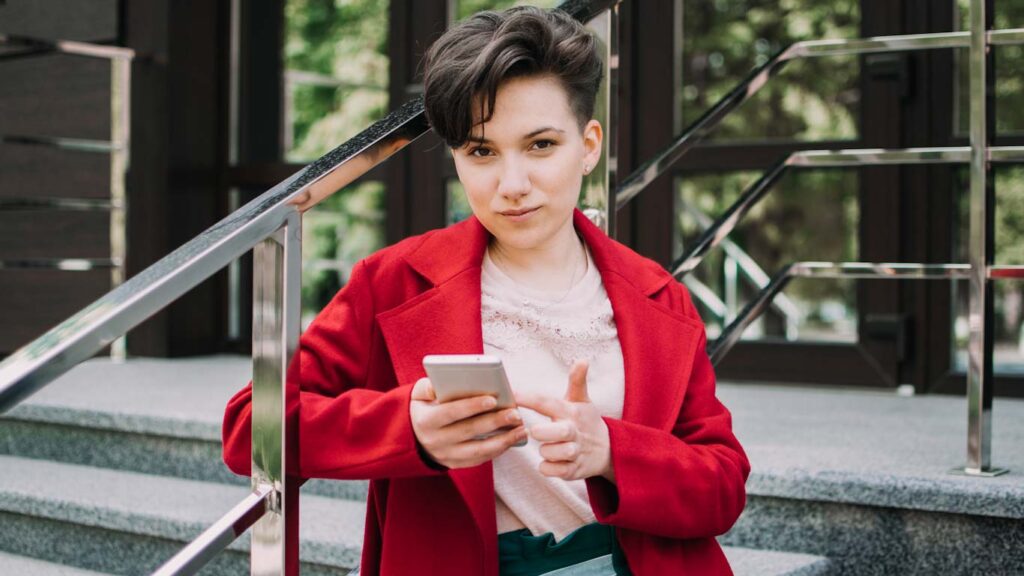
(118, 148)
(751, 271)
(979, 39)
(219, 536)
(852, 270)
(39, 46)
(76, 339)
(663, 161)
(75, 144)
(33, 366)
(718, 232)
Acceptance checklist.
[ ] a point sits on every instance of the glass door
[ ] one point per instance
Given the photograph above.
(818, 330)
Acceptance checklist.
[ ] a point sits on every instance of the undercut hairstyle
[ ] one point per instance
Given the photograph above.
(465, 66)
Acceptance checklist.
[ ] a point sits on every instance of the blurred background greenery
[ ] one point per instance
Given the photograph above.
(336, 84)
(808, 215)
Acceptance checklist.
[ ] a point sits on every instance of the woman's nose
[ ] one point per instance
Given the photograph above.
(515, 180)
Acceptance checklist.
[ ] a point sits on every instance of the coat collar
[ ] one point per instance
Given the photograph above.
(658, 344)
(458, 248)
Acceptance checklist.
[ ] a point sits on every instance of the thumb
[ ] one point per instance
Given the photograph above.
(577, 390)
(423, 391)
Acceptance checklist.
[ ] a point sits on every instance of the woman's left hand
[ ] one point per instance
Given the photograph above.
(575, 444)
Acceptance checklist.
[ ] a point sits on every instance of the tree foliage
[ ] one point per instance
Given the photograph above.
(342, 46)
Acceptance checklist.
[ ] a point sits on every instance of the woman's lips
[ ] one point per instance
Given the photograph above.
(520, 214)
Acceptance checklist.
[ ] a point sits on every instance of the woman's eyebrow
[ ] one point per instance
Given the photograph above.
(543, 130)
(482, 140)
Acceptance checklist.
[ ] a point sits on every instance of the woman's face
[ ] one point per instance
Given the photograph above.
(523, 169)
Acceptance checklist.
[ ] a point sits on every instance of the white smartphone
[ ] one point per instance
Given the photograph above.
(456, 376)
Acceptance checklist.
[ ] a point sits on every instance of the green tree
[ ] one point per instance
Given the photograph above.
(336, 70)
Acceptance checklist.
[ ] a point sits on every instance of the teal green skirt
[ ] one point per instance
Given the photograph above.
(590, 550)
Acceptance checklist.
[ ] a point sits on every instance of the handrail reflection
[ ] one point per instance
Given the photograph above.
(717, 233)
(39, 46)
(192, 558)
(661, 162)
(854, 270)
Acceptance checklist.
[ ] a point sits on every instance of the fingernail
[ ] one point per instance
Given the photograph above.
(490, 402)
(513, 416)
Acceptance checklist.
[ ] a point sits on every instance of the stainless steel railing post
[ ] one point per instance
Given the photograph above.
(981, 247)
(598, 196)
(276, 310)
(120, 158)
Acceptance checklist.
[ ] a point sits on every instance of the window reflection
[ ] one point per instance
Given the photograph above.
(336, 73)
(457, 207)
(813, 99)
(1008, 302)
(335, 85)
(336, 233)
(808, 215)
(1009, 60)
(465, 8)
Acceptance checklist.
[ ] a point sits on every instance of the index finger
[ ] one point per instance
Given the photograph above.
(554, 408)
(447, 413)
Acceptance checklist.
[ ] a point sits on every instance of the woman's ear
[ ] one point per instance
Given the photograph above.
(593, 137)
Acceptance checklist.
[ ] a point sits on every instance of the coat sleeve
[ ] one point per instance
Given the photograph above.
(343, 430)
(687, 483)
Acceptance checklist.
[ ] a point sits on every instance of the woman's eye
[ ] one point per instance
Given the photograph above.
(480, 152)
(543, 144)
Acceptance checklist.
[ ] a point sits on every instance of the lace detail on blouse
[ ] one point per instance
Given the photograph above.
(513, 328)
(575, 325)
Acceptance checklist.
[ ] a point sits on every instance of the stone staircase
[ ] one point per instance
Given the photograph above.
(114, 467)
(863, 478)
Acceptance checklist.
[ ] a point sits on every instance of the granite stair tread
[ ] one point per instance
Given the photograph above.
(750, 562)
(827, 463)
(177, 509)
(181, 397)
(874, 448)
(150, 415)
(852, 446)
(163, 507)
(23, 566)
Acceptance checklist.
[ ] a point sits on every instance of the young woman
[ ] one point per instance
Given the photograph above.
(631, 466)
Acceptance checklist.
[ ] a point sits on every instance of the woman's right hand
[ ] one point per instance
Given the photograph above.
(446, 431)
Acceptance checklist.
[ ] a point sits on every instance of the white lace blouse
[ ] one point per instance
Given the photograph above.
(538, 335)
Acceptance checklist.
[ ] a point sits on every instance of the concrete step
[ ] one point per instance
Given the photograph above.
(863, 478)
(748, 562)
(120, 522)
(859, 477)
(154, 416)
(23, 566)
(128, 523)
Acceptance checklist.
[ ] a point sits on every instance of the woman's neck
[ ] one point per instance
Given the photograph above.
(552, 267)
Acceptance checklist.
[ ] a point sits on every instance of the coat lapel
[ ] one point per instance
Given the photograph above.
(446, 320)
(657, 352)
(658, 344)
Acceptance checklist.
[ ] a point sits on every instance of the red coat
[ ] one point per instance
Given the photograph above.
(679, 470)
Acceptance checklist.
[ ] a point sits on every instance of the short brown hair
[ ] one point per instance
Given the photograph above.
(467, 64)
